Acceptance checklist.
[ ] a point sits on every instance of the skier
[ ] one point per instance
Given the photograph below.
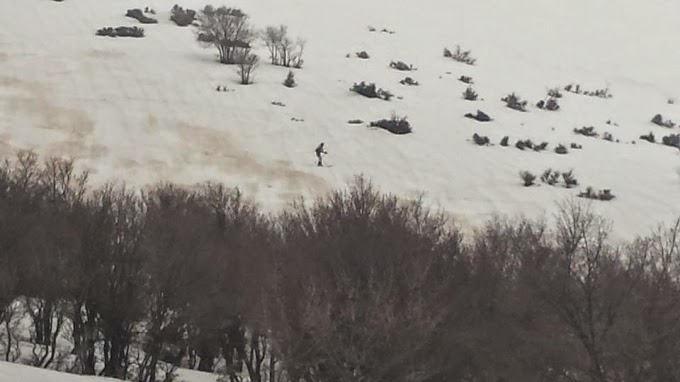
(320, 151)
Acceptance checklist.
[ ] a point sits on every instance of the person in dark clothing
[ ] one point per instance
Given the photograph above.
(319, 152)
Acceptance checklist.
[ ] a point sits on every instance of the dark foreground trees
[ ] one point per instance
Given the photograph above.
(355, 286)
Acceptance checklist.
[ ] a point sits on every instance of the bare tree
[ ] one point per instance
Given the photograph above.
(227, 29)
(247, 63)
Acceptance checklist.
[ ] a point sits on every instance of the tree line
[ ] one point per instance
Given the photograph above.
(358, 285)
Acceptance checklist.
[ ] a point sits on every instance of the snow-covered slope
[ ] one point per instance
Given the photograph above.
(146, 109)
(12, 372)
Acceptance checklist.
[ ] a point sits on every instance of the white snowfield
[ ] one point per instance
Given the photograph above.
(146, 110)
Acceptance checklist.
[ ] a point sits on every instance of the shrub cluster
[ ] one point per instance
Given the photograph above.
(140, 16)
(588, 131)
(395, 125)
(466, 80)
(480, 139)
(283, 51)
(470, 94)
(121, 32)
(648, 137)
(658, 120)
(590, 193)
(480, 116)
(514, 102)
(671, 140)
(401, 65)
(460, 55)
(371, 91)
(600, 93)
(182, 17)
(548, 104)
(528, 144)
(409, 81)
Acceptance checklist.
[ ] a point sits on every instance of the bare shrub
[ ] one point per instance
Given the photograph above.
(460, 55)
(401, 65)
(524, 144)
(550, 177)
(371, 91)
(283, 51)
(671, 140)
(363, 55)
(648, 137)
(247, 63)
(226, 29)
(658, 120)
(138, 15)
(569, 179)
(466, 80)
(588, 131)
(527, 178)
(590, 193)
(135, 32)
(409, 81)
(480, 140)
(395, 125)
(514, 102)
(480, 116)
(470, 94)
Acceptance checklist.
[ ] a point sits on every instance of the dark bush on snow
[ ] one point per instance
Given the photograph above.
(355, 121)
(569, 179)
(409, 81)
(555, 93)
(588, 131)
(541, 147)
(589, 193)
(550, 104)
(466, 79)
(121, 32)
(460, 55)
(470, 94)
(607, 136)
(671, 140)
(649, 137)
(289, 82)
(658, 120)
(480, 140)
(363, 54)
(140, 16)
(514, 102)
(551, 177)
(182, 17)
(401, 65)
(524, 144)
(394, 125)
(527, 178)
(504, 141)
(561, 149)
(371, 91)
(576, 146)
(480, 116)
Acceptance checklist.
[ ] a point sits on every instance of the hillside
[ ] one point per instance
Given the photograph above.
(146, 110)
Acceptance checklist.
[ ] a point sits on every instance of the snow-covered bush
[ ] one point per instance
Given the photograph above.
(460, 55)
(550, 177)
